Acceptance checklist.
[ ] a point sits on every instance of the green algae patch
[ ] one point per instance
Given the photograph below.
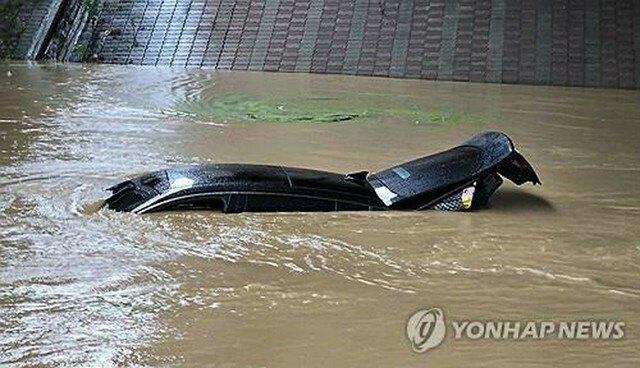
(244, 108)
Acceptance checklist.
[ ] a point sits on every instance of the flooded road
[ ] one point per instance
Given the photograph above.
(83, 287)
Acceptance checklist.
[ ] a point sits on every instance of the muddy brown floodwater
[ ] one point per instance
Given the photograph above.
(83, 287)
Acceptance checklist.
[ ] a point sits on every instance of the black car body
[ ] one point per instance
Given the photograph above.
(457, 179)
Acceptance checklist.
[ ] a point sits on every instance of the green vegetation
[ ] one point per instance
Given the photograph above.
(80, 50)
(299, 110)
(244, 108)
(11, 25)
(92, 9)
(9, 16)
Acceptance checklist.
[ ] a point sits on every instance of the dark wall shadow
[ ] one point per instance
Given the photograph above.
(512, 199)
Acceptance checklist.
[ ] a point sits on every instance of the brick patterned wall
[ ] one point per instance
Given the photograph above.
(558, 42)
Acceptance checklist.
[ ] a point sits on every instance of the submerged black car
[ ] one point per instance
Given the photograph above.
(461, 178)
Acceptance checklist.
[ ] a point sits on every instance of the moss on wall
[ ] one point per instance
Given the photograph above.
(11, 26)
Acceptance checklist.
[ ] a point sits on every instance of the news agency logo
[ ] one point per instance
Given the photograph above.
(427, 328)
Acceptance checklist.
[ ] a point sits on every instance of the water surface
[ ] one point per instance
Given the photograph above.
(82, 287)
